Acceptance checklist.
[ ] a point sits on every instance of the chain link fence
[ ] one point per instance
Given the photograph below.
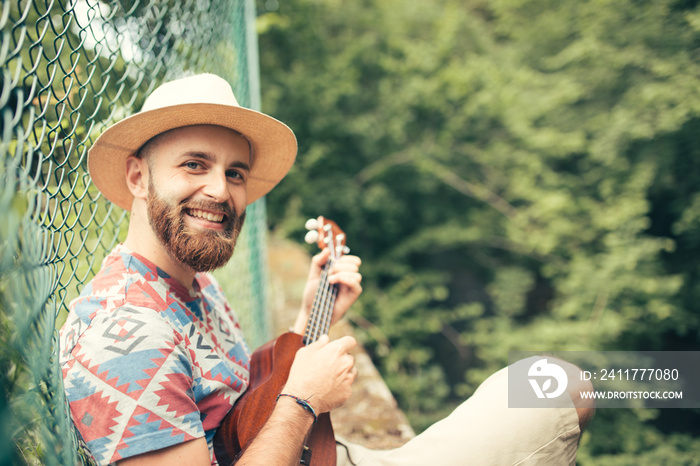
(70, 68)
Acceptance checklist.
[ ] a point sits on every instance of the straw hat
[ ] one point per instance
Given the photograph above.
(203, 99)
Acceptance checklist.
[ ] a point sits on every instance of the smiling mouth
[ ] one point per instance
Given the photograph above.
(210, 216)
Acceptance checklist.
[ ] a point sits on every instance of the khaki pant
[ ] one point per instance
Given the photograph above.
(483, 431)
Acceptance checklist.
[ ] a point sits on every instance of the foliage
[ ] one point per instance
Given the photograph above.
(516, 175)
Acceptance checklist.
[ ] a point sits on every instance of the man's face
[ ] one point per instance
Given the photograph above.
(196, 193)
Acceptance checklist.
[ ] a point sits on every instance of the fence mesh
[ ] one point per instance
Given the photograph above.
(69, 70)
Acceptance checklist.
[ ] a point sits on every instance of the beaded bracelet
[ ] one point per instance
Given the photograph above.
(303, 403)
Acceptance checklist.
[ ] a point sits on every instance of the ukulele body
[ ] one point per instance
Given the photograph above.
(270, 366)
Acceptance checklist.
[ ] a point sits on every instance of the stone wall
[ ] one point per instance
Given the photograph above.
(371, 416)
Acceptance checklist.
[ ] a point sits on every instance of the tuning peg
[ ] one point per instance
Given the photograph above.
(311, 224)
(346, 250)
(311, 236)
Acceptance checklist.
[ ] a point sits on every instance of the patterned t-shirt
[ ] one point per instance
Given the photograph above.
(147, 363)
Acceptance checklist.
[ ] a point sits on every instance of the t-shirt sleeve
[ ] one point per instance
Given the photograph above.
(129, 385)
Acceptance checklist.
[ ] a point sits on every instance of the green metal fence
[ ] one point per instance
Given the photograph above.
(69, 69)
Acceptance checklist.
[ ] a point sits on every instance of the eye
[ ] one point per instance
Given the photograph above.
(234, 175)
(192, 165)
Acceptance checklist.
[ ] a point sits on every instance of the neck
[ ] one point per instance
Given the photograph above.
(142, 240)
(322, 309)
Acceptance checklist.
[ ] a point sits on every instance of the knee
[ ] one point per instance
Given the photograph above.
(585, 406)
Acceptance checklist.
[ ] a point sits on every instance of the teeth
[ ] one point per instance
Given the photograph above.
(207, 215)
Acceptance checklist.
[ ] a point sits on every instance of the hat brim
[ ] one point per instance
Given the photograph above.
(273, 145)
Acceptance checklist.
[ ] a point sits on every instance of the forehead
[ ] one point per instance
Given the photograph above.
(216, 141)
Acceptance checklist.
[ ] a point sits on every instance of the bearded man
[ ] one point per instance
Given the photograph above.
(153, 356)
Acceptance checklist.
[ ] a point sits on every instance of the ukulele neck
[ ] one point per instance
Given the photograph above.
(319, 322)
(327, 235)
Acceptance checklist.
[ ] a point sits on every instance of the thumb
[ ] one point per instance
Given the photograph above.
(346, 343)
(321, 342)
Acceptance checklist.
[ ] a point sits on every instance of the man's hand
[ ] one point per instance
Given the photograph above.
(345, 273)
(323, 373)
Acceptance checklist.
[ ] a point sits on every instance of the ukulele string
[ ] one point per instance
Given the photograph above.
(309, 333)
(319, 322)
(323, 309)
(314, 309)
(327, 320)
(329, 291)
(313, 331)
(312, 326)
(336, 253)
(326, 307)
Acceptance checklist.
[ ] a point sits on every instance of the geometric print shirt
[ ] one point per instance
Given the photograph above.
(148, 364)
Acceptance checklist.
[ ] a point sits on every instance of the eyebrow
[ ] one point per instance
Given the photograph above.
(210, 158)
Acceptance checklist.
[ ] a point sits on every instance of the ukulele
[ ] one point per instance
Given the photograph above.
(270, 365)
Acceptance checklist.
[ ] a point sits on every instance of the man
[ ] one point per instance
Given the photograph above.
(153, 357)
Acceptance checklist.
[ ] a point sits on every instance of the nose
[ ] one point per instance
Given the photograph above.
(216, 187)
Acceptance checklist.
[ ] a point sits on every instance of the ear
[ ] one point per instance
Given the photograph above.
(137, 177)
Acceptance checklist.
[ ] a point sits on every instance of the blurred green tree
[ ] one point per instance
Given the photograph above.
(517, 175)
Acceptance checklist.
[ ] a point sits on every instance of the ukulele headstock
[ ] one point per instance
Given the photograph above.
(326, 234)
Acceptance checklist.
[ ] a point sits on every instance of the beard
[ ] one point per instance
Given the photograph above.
(198, 249)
